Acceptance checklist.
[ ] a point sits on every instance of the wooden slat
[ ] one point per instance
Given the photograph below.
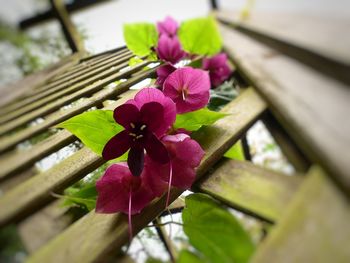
(110, 232)
(48, 81)
(312, 107)
(89, 70)
(14, 90)
(91, 61)
(70, 32)
(45, 96)
(254, 190)
(311, 40)
(7, 143)
(315, 227)
(104, 93)
(286, 144)
(39, 228)
(18, 161)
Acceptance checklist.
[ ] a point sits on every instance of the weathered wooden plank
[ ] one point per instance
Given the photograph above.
(288, 147)
(77, 92)
(20, 160)
(39, 228)
(110, 232)
(37, 191)
(312, 107)
(311, 40)
(85, 71)
(70, 32)
(314, 228)
(254, 190)
(95, 68)
(91, 61)
(15, 90)
(7, 143)
(45, 96)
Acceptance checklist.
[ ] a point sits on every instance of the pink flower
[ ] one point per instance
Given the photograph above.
(218, 68)
(185, 155)
(188, 88)
(163, 72)
(117, 187)
(168, 26)
(145, 118)
(169, 49)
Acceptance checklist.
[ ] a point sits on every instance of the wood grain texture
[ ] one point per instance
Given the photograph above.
(110, 232)
(62, 97)
(312, 107)
(53, 91)
(252, 189)
(314, 228)
(11, 92)
(310, 32)
(8, 142)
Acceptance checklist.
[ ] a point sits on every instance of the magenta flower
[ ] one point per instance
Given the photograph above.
(168, 26)
(145, 118)
(163, 72)
(120, 191)
(185, 155)
(169, 49)
(188, 88)
(218, 68)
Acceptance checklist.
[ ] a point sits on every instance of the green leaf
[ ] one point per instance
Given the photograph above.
(85, 196)
(200, 36)
(94, 128)
(235, 152)
(140, 38)
(214, 231)
(192, 121)
(135, 61)
(186, 256)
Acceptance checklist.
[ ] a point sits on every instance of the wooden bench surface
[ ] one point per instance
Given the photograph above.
(303, 104)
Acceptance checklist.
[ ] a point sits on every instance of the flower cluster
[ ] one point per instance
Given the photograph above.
(158, 155)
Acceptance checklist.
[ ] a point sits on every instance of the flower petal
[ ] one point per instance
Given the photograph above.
(218, 68)
(194, 83)
(135, 160)
(113, 191)
(152, 114)
(168, 26)
(169, 49)
(163, 72)
(156, 150)
(147, 95)
(184, 148)
(125, 114)
(117, 146)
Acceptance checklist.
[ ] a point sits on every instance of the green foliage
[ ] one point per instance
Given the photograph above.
(235, 152)
(222, 95)
(140, 38)
(94, 128)
(135, 61)
(200, 36)
(194, 120)
(186, 256)
(214, 231)
(84, 196)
